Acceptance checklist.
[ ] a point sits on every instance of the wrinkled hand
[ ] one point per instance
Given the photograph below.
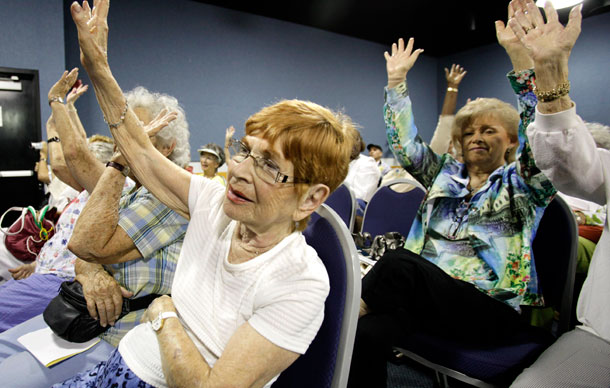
(161, 121)
(455, 75)
(400, 61)
(23, 271)
(546, 41)
(505, 35)
(160, 305)
(229, 135)
(104, 296)
(61, 87)
(75, 93)
(92, 26)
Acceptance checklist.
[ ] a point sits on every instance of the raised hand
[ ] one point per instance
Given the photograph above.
(75, 93)
(513, 46)
(161, 121)
(455, 75)
(229, 132)
(61, 87)
(400, 61)
(92, 26)
(546, 41)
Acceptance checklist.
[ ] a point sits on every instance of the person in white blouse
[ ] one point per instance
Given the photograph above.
(364, 175)
(565, 150)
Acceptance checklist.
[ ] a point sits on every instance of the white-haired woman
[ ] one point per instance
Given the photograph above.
(127, 229)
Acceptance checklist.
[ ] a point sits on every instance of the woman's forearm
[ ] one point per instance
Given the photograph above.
(99, 219)
(552, 76)
(73, 113)
(83, 166)
(183, 365)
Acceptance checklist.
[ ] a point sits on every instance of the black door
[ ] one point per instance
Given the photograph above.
(19, 128)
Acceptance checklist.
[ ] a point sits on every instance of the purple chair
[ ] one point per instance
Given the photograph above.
(343, 202)
(555, 253)
(326, 363)
(392, 211)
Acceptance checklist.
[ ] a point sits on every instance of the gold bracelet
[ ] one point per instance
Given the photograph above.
(553, 94)
(450, 89)
(121, 119)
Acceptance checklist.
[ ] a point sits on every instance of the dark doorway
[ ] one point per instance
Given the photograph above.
(19, 128)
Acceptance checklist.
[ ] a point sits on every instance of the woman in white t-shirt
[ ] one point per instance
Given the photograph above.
(248, 294)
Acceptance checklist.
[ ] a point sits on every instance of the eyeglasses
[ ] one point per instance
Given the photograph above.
(265, 169)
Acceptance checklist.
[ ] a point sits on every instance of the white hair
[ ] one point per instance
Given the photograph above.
(102, 147)
(600, 133)
(177, 130)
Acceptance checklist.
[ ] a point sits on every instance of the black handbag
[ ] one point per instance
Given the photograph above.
(68, 317)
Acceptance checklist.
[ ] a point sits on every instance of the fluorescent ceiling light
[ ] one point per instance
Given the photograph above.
(558, 4)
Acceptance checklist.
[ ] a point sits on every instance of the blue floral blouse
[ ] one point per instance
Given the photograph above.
(485, 240)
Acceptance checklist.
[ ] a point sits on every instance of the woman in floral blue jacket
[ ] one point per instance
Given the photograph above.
(467, 265)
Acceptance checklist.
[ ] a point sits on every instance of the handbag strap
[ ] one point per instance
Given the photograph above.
(141, 302)
(6, 230)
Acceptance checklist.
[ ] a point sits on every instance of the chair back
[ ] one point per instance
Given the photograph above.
(555, 252)
(327, 360)
(343, 202)
(392, 211)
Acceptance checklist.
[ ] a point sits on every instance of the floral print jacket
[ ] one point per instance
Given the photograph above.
(485, 240)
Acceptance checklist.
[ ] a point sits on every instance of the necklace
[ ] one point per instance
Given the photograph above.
(244, 238)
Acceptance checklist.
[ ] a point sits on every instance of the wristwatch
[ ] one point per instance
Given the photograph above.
(157, 323)
(52, 139)
(123, 169)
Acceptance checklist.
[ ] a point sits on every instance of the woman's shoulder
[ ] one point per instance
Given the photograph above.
(296, 258)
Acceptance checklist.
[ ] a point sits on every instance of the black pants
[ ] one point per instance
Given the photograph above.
(405, 293)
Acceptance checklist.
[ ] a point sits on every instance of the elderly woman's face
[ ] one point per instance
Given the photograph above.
(209, 163)
(251, 199)
(485, 143)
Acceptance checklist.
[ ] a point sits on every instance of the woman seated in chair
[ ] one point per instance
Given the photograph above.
(248, 295)
(467, 267)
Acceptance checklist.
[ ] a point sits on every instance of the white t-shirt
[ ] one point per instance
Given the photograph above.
(363, 177)
(280, 293)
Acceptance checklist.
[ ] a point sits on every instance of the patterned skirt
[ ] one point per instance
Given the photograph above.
(111, 373)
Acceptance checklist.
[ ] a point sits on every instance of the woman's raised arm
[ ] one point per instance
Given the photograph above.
(168, 182)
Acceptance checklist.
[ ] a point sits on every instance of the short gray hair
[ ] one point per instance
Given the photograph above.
(177, 130)
(600, 133)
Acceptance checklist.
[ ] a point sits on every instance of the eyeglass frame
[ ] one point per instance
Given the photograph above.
(279, 177)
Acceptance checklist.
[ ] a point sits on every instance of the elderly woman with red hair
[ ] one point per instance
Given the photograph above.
(248, 295)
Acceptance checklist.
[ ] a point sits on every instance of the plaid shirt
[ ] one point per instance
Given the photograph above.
(158, 233)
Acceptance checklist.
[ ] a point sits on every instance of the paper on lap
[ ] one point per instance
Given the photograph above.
(50, 349)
